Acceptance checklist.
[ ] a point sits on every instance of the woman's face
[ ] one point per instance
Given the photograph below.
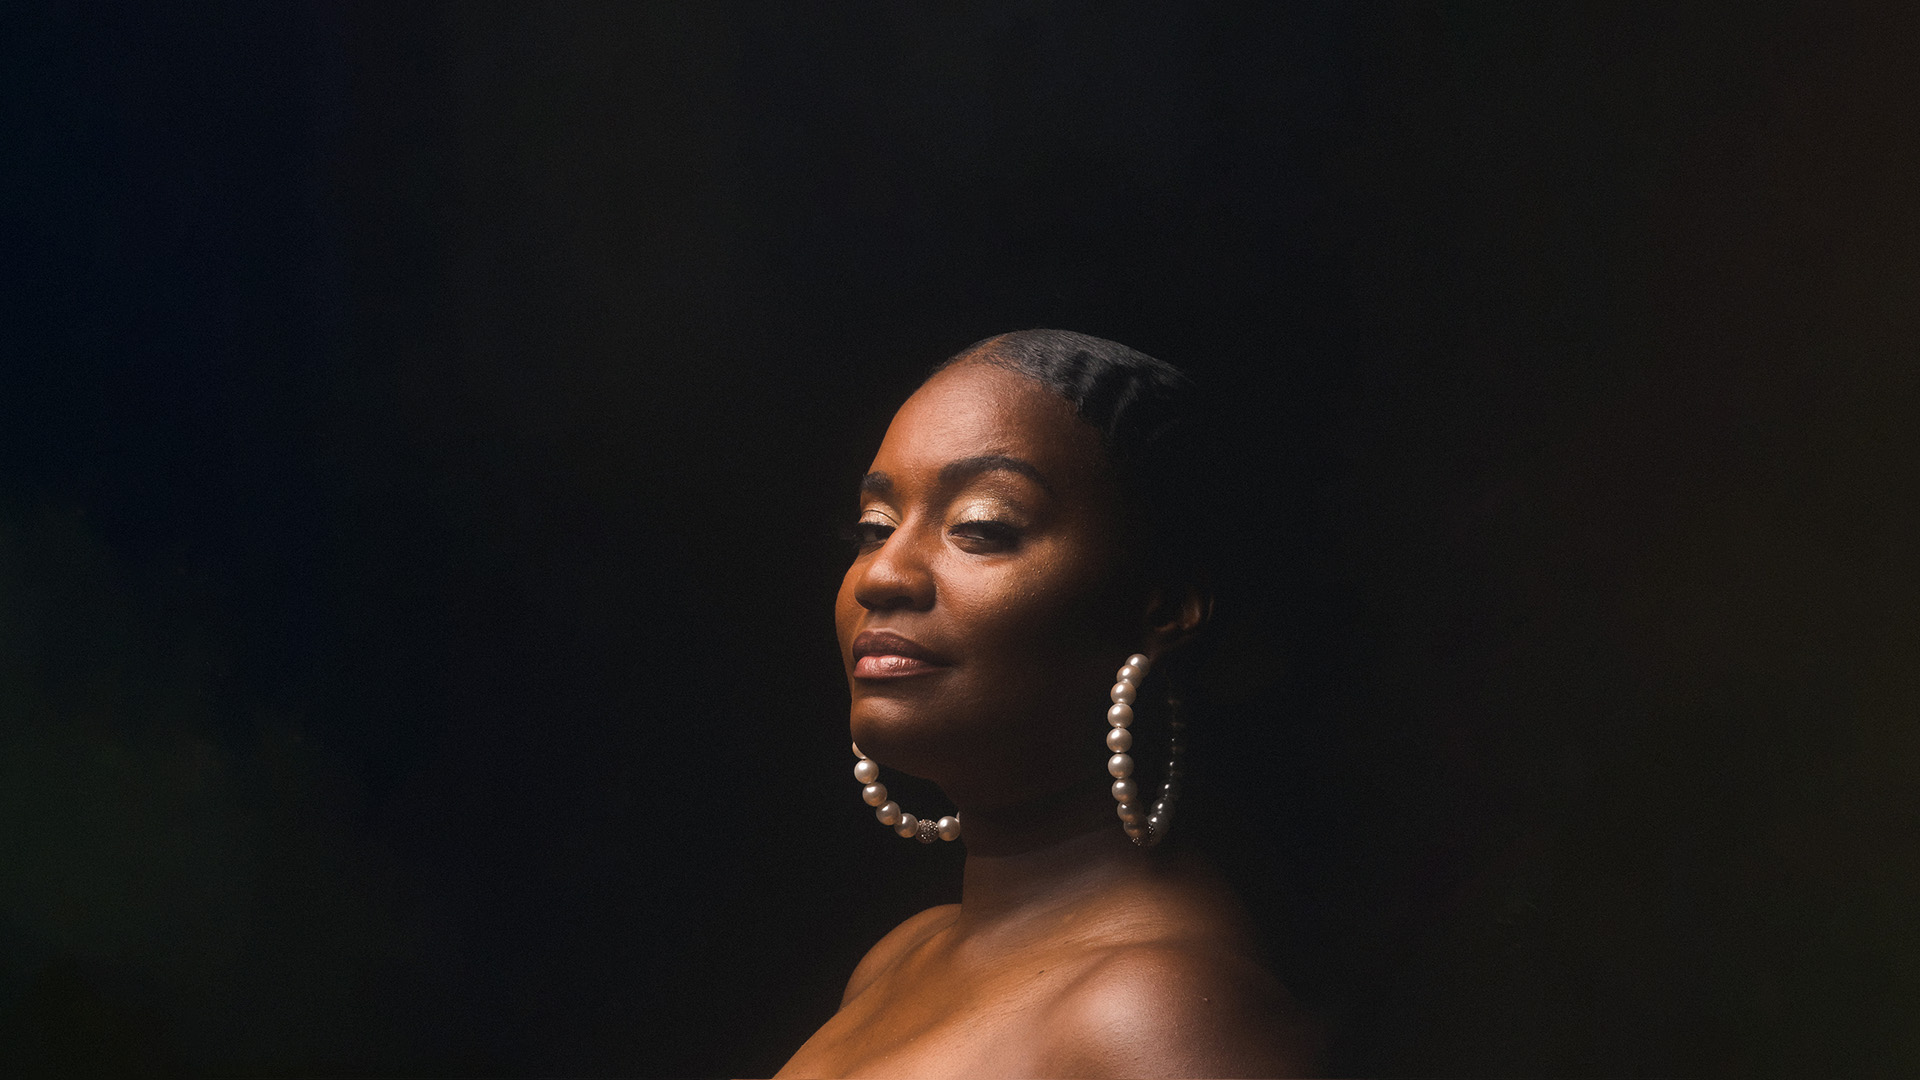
(990, 601)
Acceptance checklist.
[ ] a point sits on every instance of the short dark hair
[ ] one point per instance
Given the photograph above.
(1148, 414)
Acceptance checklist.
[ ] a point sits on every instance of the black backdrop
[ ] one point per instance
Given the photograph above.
(422, 428)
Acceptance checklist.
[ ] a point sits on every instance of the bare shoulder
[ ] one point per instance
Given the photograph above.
(898, 942)
(1179, 1009)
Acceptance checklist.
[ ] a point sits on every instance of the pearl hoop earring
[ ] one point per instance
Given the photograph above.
(1145, 827)
(874, 794)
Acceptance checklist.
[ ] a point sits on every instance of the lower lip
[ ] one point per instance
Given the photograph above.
(890, 667)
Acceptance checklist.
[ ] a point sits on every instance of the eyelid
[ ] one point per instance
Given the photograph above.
(989, 511)
(997, 536)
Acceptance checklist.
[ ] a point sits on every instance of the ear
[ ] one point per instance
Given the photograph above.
(1174, 616)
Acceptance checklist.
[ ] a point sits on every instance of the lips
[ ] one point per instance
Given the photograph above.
(883, 654)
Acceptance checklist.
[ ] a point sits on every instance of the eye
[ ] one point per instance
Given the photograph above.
(985, 535)
(866, 534)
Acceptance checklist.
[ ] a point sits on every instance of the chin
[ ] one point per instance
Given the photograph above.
(884, 729)
(896, 733)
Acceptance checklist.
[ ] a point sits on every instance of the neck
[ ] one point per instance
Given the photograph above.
(1031, 858)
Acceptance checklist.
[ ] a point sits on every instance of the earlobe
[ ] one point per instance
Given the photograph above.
(1174, 615)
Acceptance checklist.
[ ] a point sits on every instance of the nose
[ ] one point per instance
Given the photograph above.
(897, 576)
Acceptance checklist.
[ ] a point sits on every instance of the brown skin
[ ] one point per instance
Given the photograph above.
(1071, 952)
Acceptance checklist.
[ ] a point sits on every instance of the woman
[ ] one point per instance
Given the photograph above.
(1022, 535)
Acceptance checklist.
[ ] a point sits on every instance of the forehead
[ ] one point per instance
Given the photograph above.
(973, 409)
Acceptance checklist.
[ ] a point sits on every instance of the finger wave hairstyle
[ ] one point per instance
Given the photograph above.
(1150, 418)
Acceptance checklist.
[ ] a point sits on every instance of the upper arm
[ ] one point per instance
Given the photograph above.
(897, 942)
(1161, 1011)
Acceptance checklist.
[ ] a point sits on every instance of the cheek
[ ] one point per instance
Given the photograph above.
(1045, 627)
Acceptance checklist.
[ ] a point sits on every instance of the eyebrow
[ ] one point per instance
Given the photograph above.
(955, 473)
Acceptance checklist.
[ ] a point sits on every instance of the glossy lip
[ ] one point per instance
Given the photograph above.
(883, 654)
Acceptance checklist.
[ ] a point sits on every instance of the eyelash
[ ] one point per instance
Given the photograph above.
(861, 534)
(866, 535)
(990, 531)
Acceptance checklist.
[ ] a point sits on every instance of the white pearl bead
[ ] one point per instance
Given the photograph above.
(1135, 831)
(1126, 790)
(1132, 674)
(874, 794)
(889, 813)
(1122, 693)
(1130, 811)
(1121, 715)
(1140, 661)
(949, 828)
(1119, 739)
(865, 771)
(856, 751)
(1120, 765)
(908, 825)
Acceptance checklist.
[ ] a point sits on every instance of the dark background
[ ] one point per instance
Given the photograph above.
(422, 428)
